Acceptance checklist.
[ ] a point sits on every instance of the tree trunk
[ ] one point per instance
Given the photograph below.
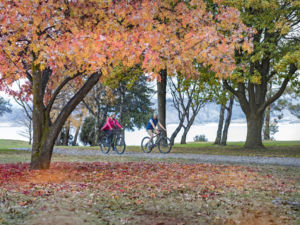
(122, 109)
(43, 140)
(267, 123)
(161, 97)
(254, 130)
(185, 132)
(183, 137)
(30, 131)
(177, 130)
(220, 126)
(44, 132)
(227, 121)
(96, 128)
(67, 134)
(57, 142)
(74, 143)
(187, 128)
(41, 124)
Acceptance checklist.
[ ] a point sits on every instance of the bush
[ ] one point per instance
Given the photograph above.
(87, 131)
(200, 138)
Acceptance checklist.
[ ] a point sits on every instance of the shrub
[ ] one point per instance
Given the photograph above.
(200, 138)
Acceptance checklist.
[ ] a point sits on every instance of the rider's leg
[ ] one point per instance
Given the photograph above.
(150, 132)
(109, 134)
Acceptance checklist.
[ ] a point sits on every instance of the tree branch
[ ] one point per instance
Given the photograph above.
(271, 75)
(88, 107)
(272, 99)
(22, 104)
(46, 75)
(75, 100)
(229, 88)
(58, 89)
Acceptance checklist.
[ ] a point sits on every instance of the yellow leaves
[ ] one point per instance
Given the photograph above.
(3, 29)
(35, 48)
(247, 47)
(42, 66)
(105, 71)
(296, 3)
(289, 58)
(285, 30)
(283, 26)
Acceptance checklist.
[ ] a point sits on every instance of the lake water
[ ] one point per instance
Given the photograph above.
(237, 132)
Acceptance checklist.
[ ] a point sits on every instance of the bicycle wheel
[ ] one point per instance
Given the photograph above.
(120, 145)
(104, 145)
(145, 145)
(165, 145)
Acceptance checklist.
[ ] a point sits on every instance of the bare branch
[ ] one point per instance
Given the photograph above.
(58, 89)
(272, 99)
(229, 88)
(88, 107)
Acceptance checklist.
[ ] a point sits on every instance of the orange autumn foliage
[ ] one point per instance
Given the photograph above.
(71, 37)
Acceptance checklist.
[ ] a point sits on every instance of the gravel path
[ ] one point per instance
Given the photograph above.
(196, 157)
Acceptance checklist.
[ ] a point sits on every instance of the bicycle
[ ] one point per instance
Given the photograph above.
(164, 144)
(117, 142)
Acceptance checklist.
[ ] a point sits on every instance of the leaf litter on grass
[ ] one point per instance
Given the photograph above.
(152, 193)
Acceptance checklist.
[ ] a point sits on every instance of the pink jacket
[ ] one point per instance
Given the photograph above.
(110, 124)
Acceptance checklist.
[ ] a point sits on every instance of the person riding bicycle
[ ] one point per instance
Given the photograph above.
(152, 126)
(110, 125)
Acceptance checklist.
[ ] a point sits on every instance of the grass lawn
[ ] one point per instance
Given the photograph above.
(128, 190)
(273, 148)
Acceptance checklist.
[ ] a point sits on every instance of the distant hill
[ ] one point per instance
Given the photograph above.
(14, 117)
(209, 113)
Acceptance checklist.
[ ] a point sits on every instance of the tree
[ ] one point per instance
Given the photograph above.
(291, 99)
(54, 43)
(275, 58)
(275, 112)
(227, 121)
(87, 131)
(189, 95)
(129, 96)
(76, 121)
(26, 119)
(223, 97)
(27, 130)
(4, 106)
(295, 110)
(220, 124)
(162, 97)
(98, 102)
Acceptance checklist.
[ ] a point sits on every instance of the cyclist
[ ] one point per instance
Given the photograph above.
(152, 126)
(110, 125)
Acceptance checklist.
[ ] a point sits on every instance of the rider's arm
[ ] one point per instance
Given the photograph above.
(118, 124)
(161, 126)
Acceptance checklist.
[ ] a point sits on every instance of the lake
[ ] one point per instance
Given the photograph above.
(237, 132)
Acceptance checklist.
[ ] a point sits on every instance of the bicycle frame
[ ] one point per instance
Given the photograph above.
(114, 140)
(158, 137)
